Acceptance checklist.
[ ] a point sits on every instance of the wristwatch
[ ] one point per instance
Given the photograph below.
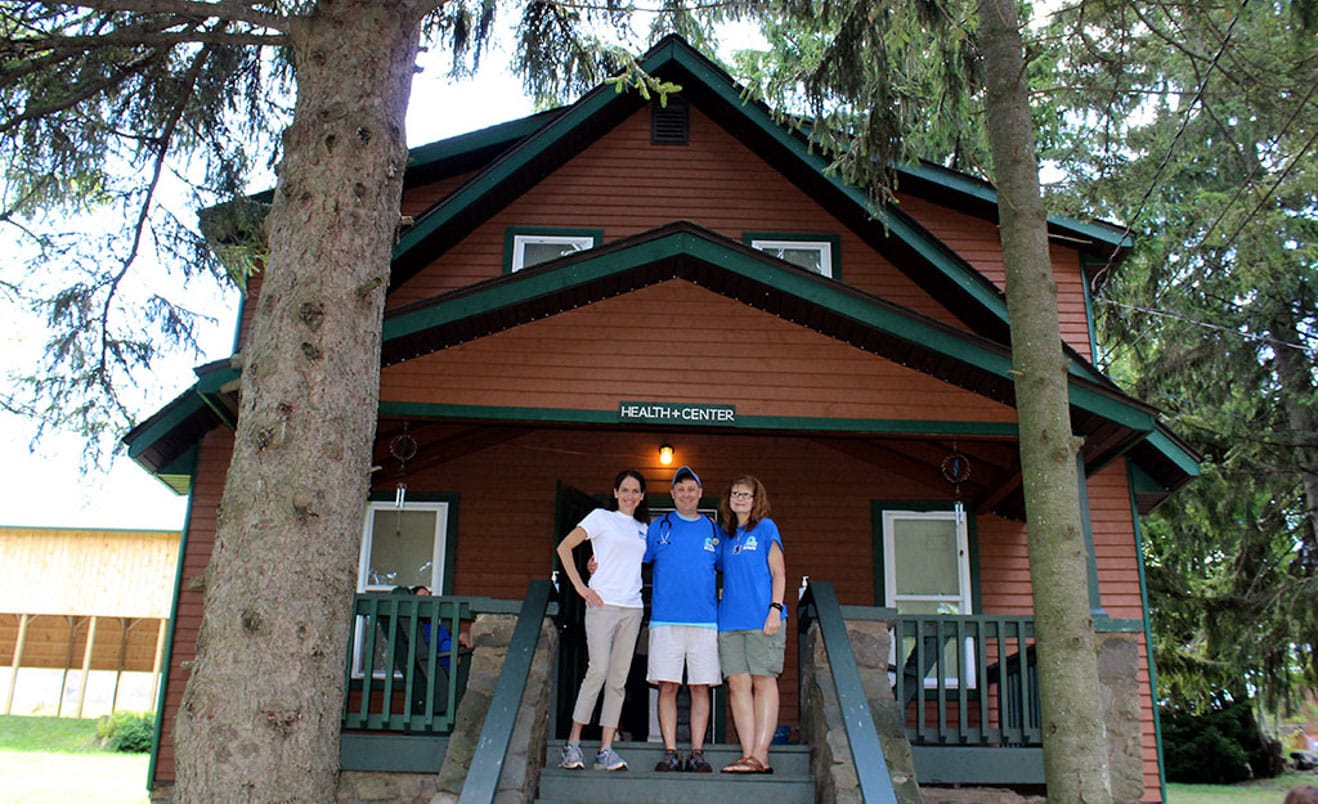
(776, 605)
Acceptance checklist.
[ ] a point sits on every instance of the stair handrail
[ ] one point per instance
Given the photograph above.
(482, 782)
(818, 604)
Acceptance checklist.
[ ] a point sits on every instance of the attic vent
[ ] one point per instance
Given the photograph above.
(671, 124)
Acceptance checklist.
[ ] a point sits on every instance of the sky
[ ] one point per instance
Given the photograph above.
(42, 484)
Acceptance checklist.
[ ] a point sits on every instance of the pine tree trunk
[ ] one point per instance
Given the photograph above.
(1074, 737)
(260, 715)
(1295, 374)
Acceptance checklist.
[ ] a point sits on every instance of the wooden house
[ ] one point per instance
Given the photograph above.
(585, 285)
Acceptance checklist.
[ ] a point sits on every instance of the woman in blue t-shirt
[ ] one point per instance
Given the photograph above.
(751, 619)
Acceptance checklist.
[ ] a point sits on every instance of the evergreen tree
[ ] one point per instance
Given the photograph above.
(1195, 124)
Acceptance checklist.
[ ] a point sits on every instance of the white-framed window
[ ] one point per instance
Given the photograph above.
(533, 249)
(813, 255)
(403, 547)
(400, 547)
(927, 571)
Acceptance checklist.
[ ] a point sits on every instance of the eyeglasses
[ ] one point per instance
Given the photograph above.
(742, 495)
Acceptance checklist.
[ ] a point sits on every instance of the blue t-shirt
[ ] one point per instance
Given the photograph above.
(747, 582)
(444, 645)
(683, 552)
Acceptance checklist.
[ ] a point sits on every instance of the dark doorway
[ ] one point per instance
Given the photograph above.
(571, 507)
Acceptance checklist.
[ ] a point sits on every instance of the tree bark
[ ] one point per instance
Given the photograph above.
(1295, 375)
(260, 715)
(1075, 742)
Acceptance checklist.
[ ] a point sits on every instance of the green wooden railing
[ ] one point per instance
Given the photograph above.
(397, 679)
(819, 605)
(962, 681)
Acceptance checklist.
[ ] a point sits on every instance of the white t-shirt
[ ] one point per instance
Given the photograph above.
(619, 544)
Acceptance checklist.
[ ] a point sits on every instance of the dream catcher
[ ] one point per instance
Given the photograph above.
(956, 470)
(403, 448)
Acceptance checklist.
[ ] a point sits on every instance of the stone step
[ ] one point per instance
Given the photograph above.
(790, 783)
(785, 759)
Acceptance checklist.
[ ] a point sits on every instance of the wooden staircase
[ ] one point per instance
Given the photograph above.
(791, 782)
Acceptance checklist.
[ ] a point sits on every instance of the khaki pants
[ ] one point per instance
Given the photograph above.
(610, 642)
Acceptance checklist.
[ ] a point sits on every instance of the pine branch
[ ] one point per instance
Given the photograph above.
(82, 92)
(130, 37)
(165, 140)
(222, 10)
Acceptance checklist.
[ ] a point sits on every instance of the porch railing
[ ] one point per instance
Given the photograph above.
(397, 676)
(967, 680)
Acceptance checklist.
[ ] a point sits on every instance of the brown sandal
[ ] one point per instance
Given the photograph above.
(747, 765)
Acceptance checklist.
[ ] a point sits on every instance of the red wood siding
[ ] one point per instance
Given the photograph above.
(976, 241)
(208, 488)
(624, 185)
(1114, 543)
(680, 342)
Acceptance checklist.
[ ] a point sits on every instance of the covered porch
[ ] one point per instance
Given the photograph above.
(970, 715)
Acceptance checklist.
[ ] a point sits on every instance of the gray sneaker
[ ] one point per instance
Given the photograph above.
(608, 759)
(572, 758)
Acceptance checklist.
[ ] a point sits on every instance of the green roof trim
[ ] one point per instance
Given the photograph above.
(781, 423)
(586, 267)
(1174, 452)
(1119, 625)
(498, 135)
(981, 190)
(158, 427)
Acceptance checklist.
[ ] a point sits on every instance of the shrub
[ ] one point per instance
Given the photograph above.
(1220, 746)
(129, 732)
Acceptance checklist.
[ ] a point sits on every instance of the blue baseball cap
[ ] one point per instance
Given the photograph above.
(686, 472)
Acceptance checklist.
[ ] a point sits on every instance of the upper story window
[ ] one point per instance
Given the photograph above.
(527, 247)
(818, 253)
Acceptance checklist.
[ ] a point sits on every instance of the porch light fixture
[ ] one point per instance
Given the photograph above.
(665, 454)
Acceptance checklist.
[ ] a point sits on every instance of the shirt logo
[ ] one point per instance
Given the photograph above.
(710, 544)
(751, 544)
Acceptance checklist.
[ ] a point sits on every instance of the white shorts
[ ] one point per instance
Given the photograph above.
(672, 646)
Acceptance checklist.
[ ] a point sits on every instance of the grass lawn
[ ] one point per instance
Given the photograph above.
(1266, 791)
(48, 760)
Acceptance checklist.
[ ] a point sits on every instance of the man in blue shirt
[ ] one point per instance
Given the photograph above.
(683, 545)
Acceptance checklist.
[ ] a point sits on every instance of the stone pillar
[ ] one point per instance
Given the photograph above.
(822, 725)
(1118, 675)
(520, 775)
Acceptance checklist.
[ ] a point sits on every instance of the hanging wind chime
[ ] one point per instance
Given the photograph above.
(956, 470)
(403, 448)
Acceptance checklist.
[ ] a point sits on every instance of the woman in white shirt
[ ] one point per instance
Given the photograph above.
(613, 611)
